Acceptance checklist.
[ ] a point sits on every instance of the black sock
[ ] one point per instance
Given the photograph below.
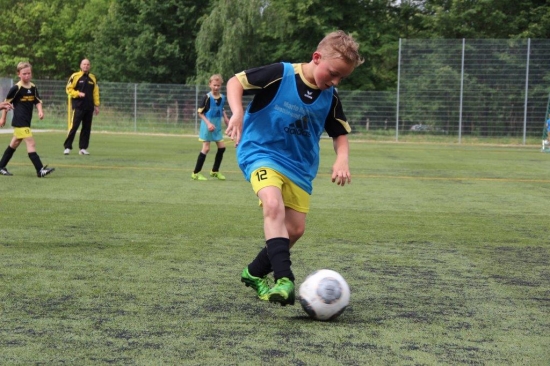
(278, 250)
(6, 157)
(36, 161)
(200, 162)
(260, 266)
(218, 159)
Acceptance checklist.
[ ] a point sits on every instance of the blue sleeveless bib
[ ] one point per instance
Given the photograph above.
(215, 116)
(285, 135)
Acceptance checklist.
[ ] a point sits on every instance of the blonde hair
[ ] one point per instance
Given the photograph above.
(23, 65)
(338, 44)
(216, 77)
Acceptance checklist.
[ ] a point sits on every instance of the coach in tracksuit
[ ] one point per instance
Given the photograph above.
(83, 93)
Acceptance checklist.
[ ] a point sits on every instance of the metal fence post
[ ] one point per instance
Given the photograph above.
(196, 108)
(461, 92)
(397, 105)
(526, 91)
(135, 107)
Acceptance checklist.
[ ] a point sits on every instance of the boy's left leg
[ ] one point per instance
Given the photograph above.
(41, 170)
(285, 206)
(260, 266)
(196, 175)
(217, 162)
(255, 274)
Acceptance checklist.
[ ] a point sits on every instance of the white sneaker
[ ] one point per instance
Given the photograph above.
(66, 151)
(84, 152)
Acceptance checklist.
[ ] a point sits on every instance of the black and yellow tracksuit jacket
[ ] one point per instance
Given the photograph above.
(87, 84)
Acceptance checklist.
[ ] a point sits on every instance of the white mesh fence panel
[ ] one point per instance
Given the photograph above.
(452, 87)
(474, 87)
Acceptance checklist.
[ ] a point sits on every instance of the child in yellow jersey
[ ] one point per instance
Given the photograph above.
(23, 96)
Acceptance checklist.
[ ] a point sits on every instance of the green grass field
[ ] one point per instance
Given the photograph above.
(120, 258)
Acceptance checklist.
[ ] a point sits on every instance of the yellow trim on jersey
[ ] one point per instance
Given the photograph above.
(298, 70)
(241, 76)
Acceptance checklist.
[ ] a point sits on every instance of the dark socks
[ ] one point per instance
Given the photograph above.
(200, 162)
(278, 251)
(35, 161)
(6, 157)
(218, 159)
(260, 266)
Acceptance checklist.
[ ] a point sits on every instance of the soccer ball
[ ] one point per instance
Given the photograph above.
(324, 294)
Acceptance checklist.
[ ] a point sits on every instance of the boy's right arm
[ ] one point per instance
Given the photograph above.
(9, 99)
(234, 92)
(208, 124)
(3, 118)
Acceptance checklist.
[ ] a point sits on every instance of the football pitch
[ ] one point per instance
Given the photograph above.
(120, 258)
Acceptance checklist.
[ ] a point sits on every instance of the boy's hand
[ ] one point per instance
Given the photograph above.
(6, 105)
(2, 122)
(235, 128)
(211, 127)
(340, 168)
(340, 173)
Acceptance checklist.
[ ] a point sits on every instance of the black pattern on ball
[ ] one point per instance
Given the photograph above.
(307, 307)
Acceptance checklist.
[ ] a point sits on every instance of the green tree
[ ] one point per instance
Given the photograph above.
(185, 41)
(53, 35)
(229, 39)
(500, 19)
(147, 41)
(294, 28)
(239, 34)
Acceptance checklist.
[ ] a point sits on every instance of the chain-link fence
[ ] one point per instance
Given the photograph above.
(484, 88)
(481, 88)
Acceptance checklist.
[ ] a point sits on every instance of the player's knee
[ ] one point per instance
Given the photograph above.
(295, 232)
(273, 209)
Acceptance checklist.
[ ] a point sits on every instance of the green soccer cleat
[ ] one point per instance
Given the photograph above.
(282, 292)
(260, 284)
(218, 175)
(198, 176)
